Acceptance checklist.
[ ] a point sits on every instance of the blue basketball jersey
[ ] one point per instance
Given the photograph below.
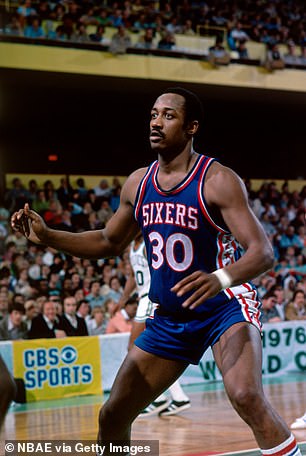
(182, 237)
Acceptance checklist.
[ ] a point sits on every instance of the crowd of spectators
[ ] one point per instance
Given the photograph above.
(271, 22)
(45, 293)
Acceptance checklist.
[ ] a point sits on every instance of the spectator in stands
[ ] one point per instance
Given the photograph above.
(167, 12)
(15, 197)
(53, 215)
(31, 311)
(3, 234)
(64, 192)
(57, 300)
(120, 41)
(84, 310)
(70, 322)
(12, 327)
(280, 305)
(94, 298)
(34, 28)
(111, 307)
(167, 42)
(54, 284)
(238, 34)
(93, 222)
(187, 28)
(97, 324)
(14, 28)
(61, 33)
(115, 198)
(269, 311)
(89, 17)
(80, 35)
(97, 37)
(173, 26)
(122, 320)
(79, 295)
(290, 57)
(105, 212)
(217, 53)
(290, 239)
(23, 285)
(40, 203)
(242, 50)
(274, 59)
(266, 224)
(46, 325)
(146, 40)
(76, 282)
(296, 309)
(116, 290)
(4, 304)
(26, 10)
(116, 18)
(18, 242)
(103, 190)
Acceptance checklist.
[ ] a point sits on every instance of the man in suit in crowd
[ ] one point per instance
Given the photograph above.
(70, 322)
(46, 325)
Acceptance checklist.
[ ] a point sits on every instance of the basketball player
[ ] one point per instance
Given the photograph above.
(141, 280)
(194, 216)
(7, 390)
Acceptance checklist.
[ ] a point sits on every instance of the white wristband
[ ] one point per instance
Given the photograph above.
(224, 278)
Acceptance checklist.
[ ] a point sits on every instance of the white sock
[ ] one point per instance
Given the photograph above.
(177, 392)
(288, 447)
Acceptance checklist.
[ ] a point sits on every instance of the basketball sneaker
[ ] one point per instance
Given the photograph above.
(154, 408)
(299, 423)
(175, 407)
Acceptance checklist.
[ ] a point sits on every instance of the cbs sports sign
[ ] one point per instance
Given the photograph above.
(53, 368)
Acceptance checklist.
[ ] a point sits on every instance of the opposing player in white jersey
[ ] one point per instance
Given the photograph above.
(140, 279)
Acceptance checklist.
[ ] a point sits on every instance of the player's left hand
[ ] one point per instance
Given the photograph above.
(204, 286)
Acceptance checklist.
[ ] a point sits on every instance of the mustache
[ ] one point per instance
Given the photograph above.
(156, 132)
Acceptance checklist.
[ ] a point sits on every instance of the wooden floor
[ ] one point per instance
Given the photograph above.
(209, 426)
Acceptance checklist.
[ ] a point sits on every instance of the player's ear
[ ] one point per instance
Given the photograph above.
(193, 127)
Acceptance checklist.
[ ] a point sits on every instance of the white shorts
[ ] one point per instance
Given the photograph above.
(145, 309)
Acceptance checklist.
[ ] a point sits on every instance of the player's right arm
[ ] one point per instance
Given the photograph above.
(110, 241)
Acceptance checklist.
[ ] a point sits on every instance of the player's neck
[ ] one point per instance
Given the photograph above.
(182, 162)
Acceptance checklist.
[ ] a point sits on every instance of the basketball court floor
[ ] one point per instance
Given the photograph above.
(209, 427)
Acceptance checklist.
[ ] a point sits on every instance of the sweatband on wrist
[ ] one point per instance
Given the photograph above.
(224, 278)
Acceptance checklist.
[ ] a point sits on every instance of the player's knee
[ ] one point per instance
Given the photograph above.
(108, 414)
(113, 412)
(244, 398)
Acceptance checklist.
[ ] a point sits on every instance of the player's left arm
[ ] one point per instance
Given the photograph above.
(226, 191)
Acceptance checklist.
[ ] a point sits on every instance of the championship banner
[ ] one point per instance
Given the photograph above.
(56, 368)
(284, 352)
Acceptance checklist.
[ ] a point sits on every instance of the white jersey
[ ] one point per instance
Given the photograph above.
(141, 269)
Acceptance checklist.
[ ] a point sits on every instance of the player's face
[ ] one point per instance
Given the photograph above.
(167, 129)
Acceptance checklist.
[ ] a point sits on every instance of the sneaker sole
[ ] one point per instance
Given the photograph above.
(175, 412)
(298, 426)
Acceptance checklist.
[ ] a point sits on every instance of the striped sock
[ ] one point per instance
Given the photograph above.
(287, 448)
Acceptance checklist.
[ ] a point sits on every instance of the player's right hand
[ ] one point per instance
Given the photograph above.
(30, 224)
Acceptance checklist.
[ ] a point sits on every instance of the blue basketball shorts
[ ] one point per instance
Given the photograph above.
(172, 337)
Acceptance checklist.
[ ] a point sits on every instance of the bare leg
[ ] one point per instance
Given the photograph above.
(141, 378)
(238, 355)
(7, 390)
